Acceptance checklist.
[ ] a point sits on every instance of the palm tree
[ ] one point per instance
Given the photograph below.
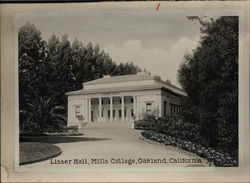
(45, 113)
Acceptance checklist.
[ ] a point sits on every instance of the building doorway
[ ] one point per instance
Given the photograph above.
(92, 116)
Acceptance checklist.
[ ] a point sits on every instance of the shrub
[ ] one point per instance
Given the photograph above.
(64, 131)
(73, 128)
(142, 125)
(175, 127)
(217, 158)
(42, 114)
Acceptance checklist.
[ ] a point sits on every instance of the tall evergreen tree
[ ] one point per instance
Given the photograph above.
(210, 77)
(48, 70)
(31, 62)
(59, 56)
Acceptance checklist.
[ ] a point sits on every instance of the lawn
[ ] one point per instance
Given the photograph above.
(31, 152)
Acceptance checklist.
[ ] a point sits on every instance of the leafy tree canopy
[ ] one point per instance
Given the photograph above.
(47, 70)
(210, 77)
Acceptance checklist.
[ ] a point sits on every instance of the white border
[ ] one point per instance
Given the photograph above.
(231, 173)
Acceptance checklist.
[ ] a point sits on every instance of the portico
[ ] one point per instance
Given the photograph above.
(113, 107)
(123, 98)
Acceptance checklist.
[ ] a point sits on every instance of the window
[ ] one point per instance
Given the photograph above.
(120, 113)
(175, 110)
(125, 113)
(112, 101)
(171, 106)
(108, 113)
(92, 116)
(120, 101)
(132, 112)
(132, 100)
(113, 113)
(77, 111)
(165, 108)
(149, 107)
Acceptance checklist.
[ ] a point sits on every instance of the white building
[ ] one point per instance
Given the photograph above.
(123, 98)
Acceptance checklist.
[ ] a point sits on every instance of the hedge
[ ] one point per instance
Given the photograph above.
(217, 158)
(175, 127)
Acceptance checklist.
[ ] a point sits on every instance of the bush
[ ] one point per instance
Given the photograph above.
(143, 125)
(182, 129)
(171, 126)
(73, 128)
(65, 131)
(217, 158)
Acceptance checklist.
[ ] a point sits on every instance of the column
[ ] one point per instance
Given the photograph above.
(89, 109)
(160, 106)
(134, 105)
(137, 108)
(100, 108)
(85, 109)
(70, 112)
(111, 108)
(122, 108)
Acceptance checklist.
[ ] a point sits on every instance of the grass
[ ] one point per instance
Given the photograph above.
(30, 152)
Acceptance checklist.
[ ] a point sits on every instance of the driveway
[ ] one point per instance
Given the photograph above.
(114, 147)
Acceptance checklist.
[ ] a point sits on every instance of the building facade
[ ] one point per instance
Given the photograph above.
(123, 98)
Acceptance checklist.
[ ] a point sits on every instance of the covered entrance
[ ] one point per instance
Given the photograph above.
(112, 108)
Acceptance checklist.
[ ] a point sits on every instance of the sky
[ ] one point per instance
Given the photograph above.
(154, 40)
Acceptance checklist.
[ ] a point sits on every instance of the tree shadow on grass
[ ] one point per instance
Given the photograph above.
(58, 139)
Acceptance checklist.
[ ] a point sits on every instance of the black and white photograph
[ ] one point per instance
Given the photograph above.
(127, 88)
(116, 90)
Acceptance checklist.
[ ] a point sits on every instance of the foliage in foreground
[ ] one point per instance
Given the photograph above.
(65, 131)
(178, 128)
(209, 75)
(172, 126)
(217, 158)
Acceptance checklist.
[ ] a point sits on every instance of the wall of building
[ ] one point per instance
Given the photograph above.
(82, 100)
(72, 104)
(171, 100)
(155, 98)
(143, 100)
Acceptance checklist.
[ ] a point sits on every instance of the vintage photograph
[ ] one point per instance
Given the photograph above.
(127, 90)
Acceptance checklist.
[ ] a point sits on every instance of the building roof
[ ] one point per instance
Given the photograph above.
(128, 78)
(116, 79)
(114, 89)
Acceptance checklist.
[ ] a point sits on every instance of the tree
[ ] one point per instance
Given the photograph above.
(47, 70)
(210, 77)
(60, 60)
(44, 111)
(91, 63)
(31, 57)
